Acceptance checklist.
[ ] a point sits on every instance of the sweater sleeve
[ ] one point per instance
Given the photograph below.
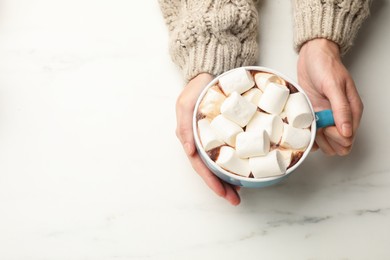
(336, 20)
(211, 35)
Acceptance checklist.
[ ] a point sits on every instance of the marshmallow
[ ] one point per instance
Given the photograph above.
(239, 80)
(226, 129)
(267, 166)
(287, 156)
(273, 124)
(229, 160)
(262, 79)
(298, 111)
(295, 138)
(274, 98)
(207, 136)
(253, 95)
(249, 144)
(283, 116)
(211, 102)
(238, 109)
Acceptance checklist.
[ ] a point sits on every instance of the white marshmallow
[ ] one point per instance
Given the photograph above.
(273, 124)
(207, 136)
(226, 129)
(239, 80)
(249, 144)
(253, 95)
(287, 156)
(262, 79)
(211, 102)
(295, 138)
(298, 111)
(238, 109)
(267, 166)
(283, 115)
(274, 98)
(229, 161)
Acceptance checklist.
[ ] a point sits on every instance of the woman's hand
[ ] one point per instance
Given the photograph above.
(184, 111)
(329, 85)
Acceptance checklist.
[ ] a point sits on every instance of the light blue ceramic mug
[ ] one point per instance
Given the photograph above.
(323, 118)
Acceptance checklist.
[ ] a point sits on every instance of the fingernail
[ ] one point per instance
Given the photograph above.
(346, 130)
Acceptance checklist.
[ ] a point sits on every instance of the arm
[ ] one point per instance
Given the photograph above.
(211, 36)
(207, 38)
(323, 32)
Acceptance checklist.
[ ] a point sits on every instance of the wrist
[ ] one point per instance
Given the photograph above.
(202, 78)
(321, 44)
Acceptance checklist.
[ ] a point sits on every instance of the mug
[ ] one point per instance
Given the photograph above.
(322, 118)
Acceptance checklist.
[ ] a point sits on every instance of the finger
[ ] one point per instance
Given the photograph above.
(314, 148)
(333, 134)
(323, 143)
(341, 109)
(184, 112)
(221, 188)
(356, 104)
(184, 132)
(208, 177)
(339, 149)
(185, 105)
(231, 194)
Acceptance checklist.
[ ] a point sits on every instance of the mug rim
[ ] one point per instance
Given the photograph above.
(209, 161)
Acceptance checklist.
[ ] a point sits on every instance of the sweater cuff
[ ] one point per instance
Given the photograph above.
(215, 56)
(333, 20)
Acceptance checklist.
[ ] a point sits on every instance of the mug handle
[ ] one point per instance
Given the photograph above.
(324, 118)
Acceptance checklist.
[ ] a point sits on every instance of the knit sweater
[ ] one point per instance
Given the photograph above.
(214, 36)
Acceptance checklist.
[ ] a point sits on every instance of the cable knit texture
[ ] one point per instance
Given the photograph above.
(217, 35)
(336, 20)
(211, 35)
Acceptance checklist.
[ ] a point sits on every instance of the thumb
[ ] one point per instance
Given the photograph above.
(184, 111)
(341, 111)
(184, 128)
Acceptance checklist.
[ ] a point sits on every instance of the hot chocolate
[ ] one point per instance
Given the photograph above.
(254, 123)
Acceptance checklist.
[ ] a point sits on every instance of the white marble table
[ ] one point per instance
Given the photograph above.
(90, 167)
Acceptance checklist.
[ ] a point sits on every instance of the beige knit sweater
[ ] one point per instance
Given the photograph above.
(217, 35)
